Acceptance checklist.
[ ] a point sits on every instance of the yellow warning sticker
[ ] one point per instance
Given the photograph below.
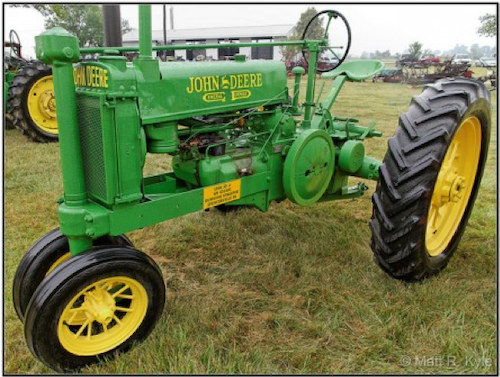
(220, 194)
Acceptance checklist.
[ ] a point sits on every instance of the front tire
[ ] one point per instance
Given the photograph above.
(430, 178)
(41, 259)
(96, 305)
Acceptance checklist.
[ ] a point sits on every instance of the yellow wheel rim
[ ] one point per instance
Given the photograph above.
(80, 317)
(42, 105)
(453, 186)
(114, 309)
(63, 258)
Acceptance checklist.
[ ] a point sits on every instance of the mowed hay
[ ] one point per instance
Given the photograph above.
(293, 290)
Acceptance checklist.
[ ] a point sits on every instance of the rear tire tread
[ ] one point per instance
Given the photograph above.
(17, 106)
(409, 171)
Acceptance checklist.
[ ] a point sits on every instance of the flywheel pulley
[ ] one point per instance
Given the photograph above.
(309, 167)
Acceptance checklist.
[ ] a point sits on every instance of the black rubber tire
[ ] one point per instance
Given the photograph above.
(409, 172)
(17, 107)
(56, 291)
(39, 258)
(8, 125)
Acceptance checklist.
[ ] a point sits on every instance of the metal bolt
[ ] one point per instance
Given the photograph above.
(68, 52)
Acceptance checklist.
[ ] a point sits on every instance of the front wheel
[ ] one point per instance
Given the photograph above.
(47, 253)
(430, 177)
(97, 304)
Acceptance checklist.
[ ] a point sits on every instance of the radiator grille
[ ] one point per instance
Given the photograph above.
(89, 118)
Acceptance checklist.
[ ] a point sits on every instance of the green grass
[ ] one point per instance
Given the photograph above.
(294, 290)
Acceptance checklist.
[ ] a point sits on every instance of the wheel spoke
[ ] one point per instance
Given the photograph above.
(80, 330)
(118, 292)
(107, 286)
(90, 293)
(334, 53)
(72, 317)
(117, 319)
(122, 309)
(89, 331)
(125, 296)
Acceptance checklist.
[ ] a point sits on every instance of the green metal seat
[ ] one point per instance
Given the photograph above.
(357, 70)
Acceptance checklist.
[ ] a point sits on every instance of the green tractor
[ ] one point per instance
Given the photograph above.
(28, 94)
(237, 137)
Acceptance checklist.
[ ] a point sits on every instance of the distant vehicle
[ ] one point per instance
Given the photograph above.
(326, 61)
(405, 59)
(390, 75)
(488, 61)
(461, 59)
(429, 59)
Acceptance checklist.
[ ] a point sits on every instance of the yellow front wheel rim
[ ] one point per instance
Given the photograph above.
(453, 186)
(59, 260)
(42, 104)
(80, 318)
(114, 309)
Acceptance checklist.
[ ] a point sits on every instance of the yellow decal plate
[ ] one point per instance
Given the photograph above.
(220, 194)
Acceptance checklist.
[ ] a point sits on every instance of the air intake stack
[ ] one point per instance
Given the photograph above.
(149, 66)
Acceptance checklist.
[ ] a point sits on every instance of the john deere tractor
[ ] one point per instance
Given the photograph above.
(237, 137)
(28, 94)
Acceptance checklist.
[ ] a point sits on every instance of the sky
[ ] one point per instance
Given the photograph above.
(374, 27)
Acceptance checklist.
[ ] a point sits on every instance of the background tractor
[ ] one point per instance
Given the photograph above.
(236, 137)
(28, 94)
(29, 86)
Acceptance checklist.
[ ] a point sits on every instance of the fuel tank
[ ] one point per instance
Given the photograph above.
(188, 89)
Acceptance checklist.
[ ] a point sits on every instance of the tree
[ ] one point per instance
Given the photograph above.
(415, 50)
(316, 29)
(427, 51)
(83, 21)
(460, 49)
(488, 50)
(488, 26)
(288, 53)
(475, 51)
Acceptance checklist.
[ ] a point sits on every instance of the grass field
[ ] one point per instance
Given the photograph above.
(294, 290)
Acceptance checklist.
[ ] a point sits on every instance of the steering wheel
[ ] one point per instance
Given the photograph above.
(332, 14)
(15, 42)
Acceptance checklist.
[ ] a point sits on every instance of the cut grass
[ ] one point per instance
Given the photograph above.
(293, 290)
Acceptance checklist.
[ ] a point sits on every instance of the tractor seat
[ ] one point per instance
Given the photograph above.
(357, 70)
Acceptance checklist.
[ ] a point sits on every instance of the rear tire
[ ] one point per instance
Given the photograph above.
(30, 124)
(409, 179)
